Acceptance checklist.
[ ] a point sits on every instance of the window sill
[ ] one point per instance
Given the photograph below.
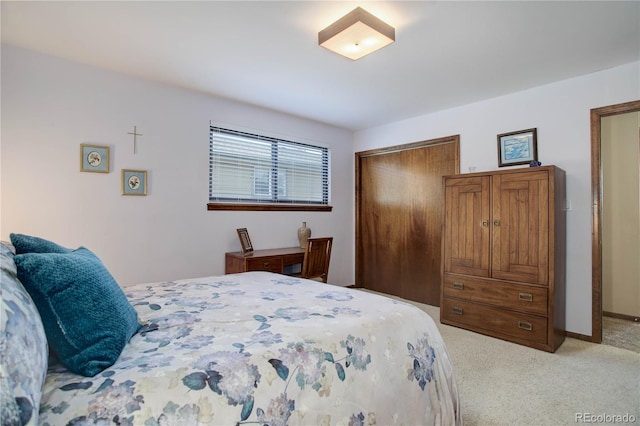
(269, 207)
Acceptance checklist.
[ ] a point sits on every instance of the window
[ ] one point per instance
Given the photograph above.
(248, 170)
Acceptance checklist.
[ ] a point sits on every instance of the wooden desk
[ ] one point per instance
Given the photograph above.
(280, 260)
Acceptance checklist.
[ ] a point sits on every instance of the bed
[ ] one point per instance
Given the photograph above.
(253, 348)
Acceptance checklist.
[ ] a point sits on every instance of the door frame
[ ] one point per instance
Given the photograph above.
(596, 197)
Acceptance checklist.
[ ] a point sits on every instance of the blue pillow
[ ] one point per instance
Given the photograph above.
(86, 315)
(28, 244)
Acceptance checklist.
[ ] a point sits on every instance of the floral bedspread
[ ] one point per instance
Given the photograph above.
(262, 348)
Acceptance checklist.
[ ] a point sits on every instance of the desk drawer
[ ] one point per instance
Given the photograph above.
(494, 321)
(510, 295)
(269, 264)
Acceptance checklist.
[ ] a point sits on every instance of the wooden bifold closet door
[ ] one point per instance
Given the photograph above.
(399, 216)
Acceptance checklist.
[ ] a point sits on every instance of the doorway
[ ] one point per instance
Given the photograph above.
(597, 188)
(399, 217)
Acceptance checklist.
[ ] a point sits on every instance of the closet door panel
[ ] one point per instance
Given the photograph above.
(399, 218)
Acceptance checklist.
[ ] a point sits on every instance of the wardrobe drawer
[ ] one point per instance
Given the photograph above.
(490, 320)
(513, 296)
(268, 264)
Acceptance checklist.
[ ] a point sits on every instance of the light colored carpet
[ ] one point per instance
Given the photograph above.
(501, 383)
(621, 333)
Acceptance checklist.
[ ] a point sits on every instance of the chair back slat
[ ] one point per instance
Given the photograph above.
(317, 257)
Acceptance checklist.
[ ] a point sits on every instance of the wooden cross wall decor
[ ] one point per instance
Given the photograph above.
(134, 133)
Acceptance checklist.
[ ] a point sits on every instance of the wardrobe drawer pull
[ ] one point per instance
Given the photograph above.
(527, 297)
(456, 310)
(458, 286)
(265, 265)
(525, 325)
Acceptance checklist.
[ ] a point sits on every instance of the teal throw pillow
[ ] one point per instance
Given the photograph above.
(87, 318)
(28, 244)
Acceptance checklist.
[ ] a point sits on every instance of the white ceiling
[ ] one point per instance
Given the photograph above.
(447, 53)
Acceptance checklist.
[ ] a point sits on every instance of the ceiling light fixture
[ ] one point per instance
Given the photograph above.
(357, 34)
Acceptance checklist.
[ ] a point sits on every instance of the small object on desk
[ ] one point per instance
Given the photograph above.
(303, 235)
(535, 164)
(245, 241)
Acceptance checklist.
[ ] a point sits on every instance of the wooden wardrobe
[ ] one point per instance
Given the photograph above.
(503, 255)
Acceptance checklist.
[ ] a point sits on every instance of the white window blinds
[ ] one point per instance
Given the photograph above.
(249, 168)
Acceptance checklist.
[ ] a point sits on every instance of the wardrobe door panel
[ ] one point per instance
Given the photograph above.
(520, 221)
(466, 231)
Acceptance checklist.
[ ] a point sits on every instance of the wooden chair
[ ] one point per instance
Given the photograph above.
(316, 258)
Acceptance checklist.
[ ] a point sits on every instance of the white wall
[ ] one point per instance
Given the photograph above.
(561, 113)
(50, 106)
